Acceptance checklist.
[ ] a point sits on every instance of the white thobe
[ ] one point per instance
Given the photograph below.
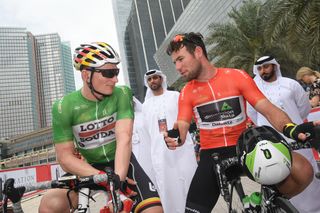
(289, 95)
(173, 169)
(141, 145)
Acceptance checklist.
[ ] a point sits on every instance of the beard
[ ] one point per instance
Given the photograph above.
(268, 76)
(155, 87)
(194, 73)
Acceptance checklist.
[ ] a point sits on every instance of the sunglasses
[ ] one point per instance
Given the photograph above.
(179, 38)
(155, 77)
(108, 73)
(264, 66)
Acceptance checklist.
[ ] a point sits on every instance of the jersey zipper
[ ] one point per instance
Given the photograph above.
(100, 138)
(223, 128)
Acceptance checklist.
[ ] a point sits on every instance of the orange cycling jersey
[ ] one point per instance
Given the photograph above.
(219, 106)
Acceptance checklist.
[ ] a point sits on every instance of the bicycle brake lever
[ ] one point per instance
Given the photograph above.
(13, 193)
(114, 182)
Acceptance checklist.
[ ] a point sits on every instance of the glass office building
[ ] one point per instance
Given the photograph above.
(19, 101)
(67, 68)
(32, 76)
(147, 26)
(197, 17)
(121, 10)
(49, 64)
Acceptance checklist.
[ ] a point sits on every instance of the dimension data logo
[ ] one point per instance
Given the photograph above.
(225, 107)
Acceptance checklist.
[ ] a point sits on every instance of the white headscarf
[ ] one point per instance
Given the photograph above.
(150, 73)
(266, 60)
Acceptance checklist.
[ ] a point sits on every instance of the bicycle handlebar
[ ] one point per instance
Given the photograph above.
(313, 142)
(69, 182)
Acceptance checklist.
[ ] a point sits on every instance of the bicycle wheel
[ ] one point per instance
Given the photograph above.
(283, 205)
(236, 205)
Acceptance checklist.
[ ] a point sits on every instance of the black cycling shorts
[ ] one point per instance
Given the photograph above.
(204, 190)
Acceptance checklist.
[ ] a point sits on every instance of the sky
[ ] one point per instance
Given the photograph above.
(76, 21)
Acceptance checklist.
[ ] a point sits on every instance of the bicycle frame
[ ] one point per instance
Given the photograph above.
(69, 182)
(83, 201)
(225, 185)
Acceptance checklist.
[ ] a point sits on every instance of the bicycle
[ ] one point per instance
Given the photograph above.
(72, 183)
(271, 200)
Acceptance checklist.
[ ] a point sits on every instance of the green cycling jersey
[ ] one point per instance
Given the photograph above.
(91, 124)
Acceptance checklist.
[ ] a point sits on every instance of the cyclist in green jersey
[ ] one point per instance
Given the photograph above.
(97, 120)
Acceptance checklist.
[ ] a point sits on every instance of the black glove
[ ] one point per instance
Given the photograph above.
(14, 194)
(292, 130)
(174, 133)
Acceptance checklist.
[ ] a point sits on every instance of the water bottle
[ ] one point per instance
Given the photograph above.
(251, 203)
(255, 201)
(246, 203)
(162, 122)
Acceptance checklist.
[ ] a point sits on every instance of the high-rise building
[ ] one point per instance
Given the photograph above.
(32, 75)
(146, 27)
(121, 10)
(68, 75)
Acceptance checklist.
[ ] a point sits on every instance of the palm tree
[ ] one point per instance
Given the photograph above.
(240, 42)
(298, 21)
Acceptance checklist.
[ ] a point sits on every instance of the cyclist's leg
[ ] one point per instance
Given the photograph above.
(55, 201)
(148, 200)
(307, 201)
(300, 177)
(204, 190)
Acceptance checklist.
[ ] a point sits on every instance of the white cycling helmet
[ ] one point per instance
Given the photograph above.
(264, 155)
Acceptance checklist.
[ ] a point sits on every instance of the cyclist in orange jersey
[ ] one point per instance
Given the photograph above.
(216, 98)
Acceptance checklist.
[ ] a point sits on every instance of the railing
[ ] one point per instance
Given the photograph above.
(32, 158)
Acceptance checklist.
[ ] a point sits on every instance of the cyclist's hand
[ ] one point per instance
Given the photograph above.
(302, 131)
(125, 189)
(104, 184)
(13, 193)
(172, 137)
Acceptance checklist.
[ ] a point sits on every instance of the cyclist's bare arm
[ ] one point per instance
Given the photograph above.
(275, 116)
(70, 162)
(124, 146)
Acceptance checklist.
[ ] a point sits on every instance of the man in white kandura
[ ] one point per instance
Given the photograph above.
(173, 169)
(288, 95)
(141, 141)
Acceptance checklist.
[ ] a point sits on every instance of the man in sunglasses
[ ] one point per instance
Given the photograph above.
(216, 99)
(288, 95)
(173, 171)
(97, 120)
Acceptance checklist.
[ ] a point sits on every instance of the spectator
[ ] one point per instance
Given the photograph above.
(288, 95)
(141, 140)
(312, 78)
(173, 169)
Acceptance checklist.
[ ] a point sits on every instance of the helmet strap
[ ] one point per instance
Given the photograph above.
(93, 90)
